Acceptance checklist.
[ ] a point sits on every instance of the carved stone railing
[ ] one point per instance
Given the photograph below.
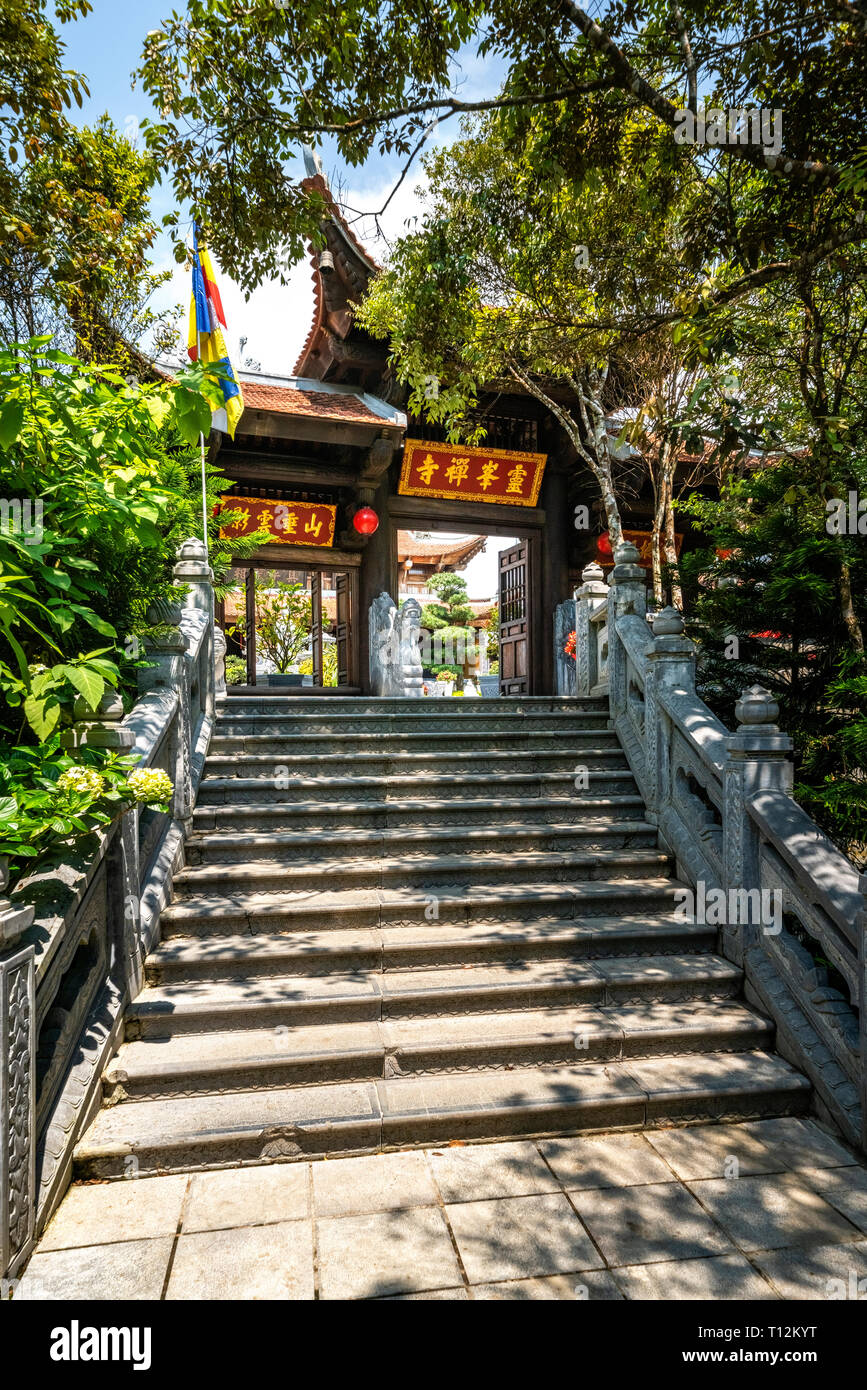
(74, 938)
(789, 906)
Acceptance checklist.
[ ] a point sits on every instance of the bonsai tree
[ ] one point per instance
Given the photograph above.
(449, 619)
(283, 618)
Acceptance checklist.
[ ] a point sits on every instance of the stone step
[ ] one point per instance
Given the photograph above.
(515, 708)
(259, 1059)
(423, 766)
(225, 881)
(210, 1006)
(417, 813)
(460, 788)
(331, 950)
(431, 740)
(287, 1123)
(288, 846)
(373, 907)
(297, 720)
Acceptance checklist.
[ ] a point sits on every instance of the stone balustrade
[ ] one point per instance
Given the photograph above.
(790, 907)
(73, 938)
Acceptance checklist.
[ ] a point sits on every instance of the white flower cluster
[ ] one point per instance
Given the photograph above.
(149, 784)
(81, 779)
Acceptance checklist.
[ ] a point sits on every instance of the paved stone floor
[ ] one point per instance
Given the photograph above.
(771, 1209)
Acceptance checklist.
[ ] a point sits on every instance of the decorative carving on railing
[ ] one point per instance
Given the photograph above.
(724, 808)
(74, 938)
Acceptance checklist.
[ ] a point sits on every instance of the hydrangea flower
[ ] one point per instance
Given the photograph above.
(81, 779)
(150, 784)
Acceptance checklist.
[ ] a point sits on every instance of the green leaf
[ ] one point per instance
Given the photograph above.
(42, 715)
(89, 684)
(11, 420)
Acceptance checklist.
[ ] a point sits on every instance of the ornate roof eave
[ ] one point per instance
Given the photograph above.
(333, 295)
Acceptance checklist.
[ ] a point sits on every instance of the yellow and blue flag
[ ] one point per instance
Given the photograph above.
(206, 342)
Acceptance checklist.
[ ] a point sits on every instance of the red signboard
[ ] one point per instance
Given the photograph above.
(288, 523)
(476, 475)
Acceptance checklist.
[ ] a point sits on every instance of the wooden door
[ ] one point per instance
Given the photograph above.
(316, 639)
(250, 626)
(515, 620)
(343, 629)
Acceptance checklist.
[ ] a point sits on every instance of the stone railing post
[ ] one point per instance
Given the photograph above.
(103, 728)
(587, 598)
(168, 670)
(628, 590)
(670, 665)
(757, 760)
(861, 928)
(192, 569)
(17, 1083)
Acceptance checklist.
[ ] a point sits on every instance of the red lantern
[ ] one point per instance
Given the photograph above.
(365, 521)
(603, 544)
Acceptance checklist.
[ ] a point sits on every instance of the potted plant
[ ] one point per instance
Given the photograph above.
(283, 618)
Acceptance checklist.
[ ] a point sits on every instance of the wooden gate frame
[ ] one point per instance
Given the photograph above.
(483, 519)
(299, 561)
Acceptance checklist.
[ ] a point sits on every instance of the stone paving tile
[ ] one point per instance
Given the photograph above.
(254, 1263)
(717, 1277)
(589, 1286)
(247, 1197)
(766, 1213)
(520, 1237)
(662, 1221)
(837, 1272)
(801, 1143)
(616, 1160)
(386, 1252)
(376, 1182)
(130, 1269)
(706, 1151)
(477, 1172)
(134, 1209)
(844, 1188)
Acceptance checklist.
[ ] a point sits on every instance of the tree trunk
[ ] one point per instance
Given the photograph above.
(671, 546)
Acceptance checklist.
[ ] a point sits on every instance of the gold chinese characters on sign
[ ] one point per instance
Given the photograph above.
(288, 523)
(489, 475)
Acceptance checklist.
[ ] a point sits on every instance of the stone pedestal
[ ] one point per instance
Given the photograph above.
(17, 1084)
(587, 598)
(628, 586)
(757, 760)
(670, 665)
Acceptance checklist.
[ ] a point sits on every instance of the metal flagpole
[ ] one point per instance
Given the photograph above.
(204, 501)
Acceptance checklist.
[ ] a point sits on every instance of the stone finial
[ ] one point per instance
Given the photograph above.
(756, 706)
(193, 549)
(668, 622)
(626, 554)
(164, 612)
(592, 574)
(192, 563)
(101, 727)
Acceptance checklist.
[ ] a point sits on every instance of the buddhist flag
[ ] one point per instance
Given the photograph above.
(206, 342)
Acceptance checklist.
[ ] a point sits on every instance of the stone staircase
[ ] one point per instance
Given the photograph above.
(402, 923)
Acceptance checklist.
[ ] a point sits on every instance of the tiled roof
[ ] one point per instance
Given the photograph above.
(288, 400)
(445, 548)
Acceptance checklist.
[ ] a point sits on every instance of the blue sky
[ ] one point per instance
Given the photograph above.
(106, 47)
